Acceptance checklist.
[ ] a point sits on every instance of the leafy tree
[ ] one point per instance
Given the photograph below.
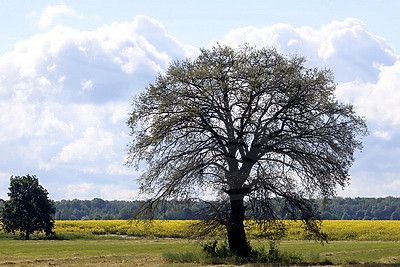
(251, 124)
(395, 215)
(334, 209)
(28, 209)
(360, 215)
(125, 213)
(98, 203)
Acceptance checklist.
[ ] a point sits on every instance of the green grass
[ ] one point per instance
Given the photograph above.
(183, 257)
(77, 252)
(149, 252)
(340, 252)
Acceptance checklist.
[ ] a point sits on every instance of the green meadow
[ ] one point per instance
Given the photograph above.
(121, 243)
(149, 252)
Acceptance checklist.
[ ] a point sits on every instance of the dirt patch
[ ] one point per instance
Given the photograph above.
(390, 260)
(106, 260)
(350, 252)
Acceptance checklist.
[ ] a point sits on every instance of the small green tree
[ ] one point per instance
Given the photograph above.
(28, 209)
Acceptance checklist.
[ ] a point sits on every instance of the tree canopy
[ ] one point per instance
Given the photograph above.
(252, 125)
(338, 208)
(28, 209)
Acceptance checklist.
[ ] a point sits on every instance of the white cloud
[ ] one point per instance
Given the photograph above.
(118, 112)
(50, 125)
(385, 135)
(89, 147)
(106, 191)
(87, 85)
(347, 47)
(64, 99)
(65, 95)
(378, 101)
(365, 65)
(80, 190)
(369, 184)
(16, 117)
(120, 169)
(119, 191)
(48, 15)
(394, 185)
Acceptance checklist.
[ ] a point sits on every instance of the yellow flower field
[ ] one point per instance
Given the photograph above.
(336, 229)
(156, 228)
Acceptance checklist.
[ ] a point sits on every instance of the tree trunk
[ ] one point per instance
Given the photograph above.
(235, 227)
(28, 229)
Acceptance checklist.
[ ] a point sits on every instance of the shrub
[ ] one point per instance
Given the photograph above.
(274, 255)
(214, 250)
(219, 253)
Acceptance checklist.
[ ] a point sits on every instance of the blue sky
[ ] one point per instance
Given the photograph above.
(69, 69)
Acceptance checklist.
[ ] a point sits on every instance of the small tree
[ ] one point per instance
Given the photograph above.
(28, 209)
(252, 124)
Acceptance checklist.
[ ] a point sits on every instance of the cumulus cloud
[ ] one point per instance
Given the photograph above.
(119, 191)
(376, 101)
(65, 94)
(385, 135)
(347, 47)
(119, 168)
(89, 147)
(106, 191)
(365, 65)
(49, 13)
(373, 184)
(81, 190)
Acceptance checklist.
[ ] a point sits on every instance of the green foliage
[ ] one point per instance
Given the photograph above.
(28, 209)
(121, 210)
(219, 253)
(387, 208)
(275, 255)
(215, 250)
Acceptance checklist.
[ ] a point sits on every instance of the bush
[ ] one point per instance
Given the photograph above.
(214, 250)
(219, 253)
(274, 255)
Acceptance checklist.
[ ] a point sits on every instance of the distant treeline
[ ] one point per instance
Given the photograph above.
(387, 208)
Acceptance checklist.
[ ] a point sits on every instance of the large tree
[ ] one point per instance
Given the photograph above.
(253, 125)
(28, 209)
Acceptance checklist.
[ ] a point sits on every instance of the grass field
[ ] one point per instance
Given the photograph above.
(348, 252)
(148, 252)
(120, 243)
